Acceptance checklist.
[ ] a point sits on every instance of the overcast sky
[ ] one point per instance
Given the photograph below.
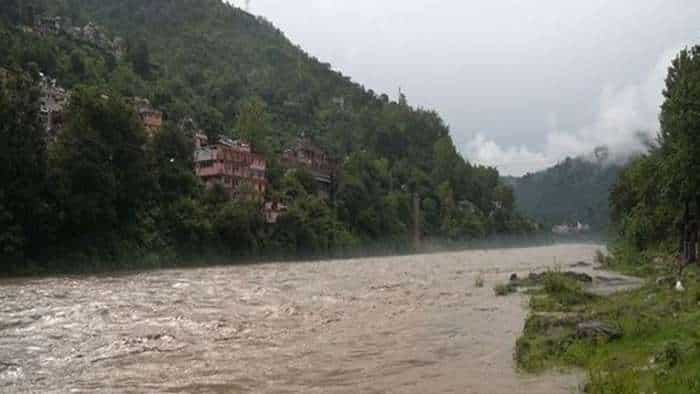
(522, 83)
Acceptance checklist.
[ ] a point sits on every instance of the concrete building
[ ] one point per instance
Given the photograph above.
(53, 104)
(566, 229)
(50, 25)
(305, 155)
(231, 164)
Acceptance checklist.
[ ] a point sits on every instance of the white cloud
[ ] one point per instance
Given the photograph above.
(509, 161)
(623, 114)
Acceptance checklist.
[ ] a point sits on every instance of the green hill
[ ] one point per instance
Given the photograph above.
(233, 74)
(575, 190)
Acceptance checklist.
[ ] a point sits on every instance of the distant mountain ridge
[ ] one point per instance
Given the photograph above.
(577, 190)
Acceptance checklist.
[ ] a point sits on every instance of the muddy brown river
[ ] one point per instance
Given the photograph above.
(414, 324)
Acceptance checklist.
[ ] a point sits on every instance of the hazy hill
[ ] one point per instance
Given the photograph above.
(575, 190)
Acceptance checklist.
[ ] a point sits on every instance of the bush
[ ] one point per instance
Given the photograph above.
(503, 289)
(564, 290)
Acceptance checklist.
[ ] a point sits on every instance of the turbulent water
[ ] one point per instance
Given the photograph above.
(413, 324)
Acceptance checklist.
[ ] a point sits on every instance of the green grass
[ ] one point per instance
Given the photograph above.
(659, 351)
(559, 294)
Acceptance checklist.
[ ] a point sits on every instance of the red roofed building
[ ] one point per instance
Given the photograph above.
(231, 164)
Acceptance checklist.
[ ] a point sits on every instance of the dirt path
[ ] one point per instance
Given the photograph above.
(413, 324)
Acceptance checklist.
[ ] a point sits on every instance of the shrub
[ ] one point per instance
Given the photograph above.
(564, 290)
(670, 355)
(503, 289)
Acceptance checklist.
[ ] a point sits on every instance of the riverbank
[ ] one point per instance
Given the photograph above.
(406, 324)
(131, 262)
(644, 340)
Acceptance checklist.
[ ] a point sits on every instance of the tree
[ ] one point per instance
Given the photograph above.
(252, 124)
(21, 11)
(680, 144)
(238, 224)
(172, 164)
(100, 171)
(140, 57)
(22, 169)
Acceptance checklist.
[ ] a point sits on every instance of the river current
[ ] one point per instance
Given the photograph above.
(411, 324)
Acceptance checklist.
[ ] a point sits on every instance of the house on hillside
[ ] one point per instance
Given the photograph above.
(230, 164)
(272, 211)
(49, 25)
(151, 118)
(305, 155)
(53, 103)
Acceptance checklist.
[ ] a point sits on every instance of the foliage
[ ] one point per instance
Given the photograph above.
(107, 189)
(504, 289)
(23, 169)
(564, 291)
(99, 172)
(658, 352)
(656, 202)
(575, 190)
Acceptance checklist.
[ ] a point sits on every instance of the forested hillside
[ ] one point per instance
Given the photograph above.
(575, 190)
(104, 189)
(656, 201)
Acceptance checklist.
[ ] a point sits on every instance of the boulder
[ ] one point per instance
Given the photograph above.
(536, 279)
(580, 264)
(579, 276)
(596, 329)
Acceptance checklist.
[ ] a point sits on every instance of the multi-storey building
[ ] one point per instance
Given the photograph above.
(53, 103)
(305, 155)
(231, 164)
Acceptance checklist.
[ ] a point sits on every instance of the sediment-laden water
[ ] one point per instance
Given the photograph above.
(415, 324)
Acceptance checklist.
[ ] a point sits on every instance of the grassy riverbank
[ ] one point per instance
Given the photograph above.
(650, 337)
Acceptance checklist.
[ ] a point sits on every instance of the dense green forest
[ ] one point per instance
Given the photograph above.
(105, 192)
(656, 202)
(575, 190)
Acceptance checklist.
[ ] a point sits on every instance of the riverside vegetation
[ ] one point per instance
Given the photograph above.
(105, 196)
(651, 337)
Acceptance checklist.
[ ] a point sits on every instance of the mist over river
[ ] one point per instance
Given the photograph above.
(410, 324)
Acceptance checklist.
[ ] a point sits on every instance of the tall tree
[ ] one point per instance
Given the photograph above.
(22, 167)
(253, 124)
(140, 57)
(680, 144)
(172, 163)
(100, 170)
